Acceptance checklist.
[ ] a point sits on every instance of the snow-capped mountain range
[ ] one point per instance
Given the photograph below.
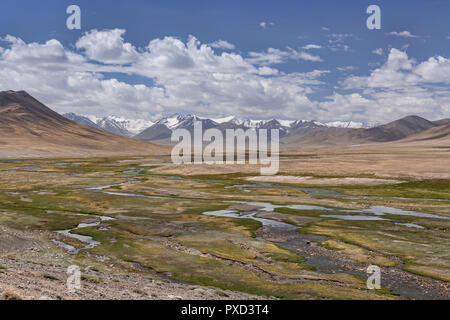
(181, 121)
(113, 124)
(162, 129)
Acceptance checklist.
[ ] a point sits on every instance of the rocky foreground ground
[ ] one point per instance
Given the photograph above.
(21, 277)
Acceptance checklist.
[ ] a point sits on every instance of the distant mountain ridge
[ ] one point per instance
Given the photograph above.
(162, 129)
(393, 131)
(117, 125)
(295, 132)
(82, 120)
(29, 129)
(398, 129)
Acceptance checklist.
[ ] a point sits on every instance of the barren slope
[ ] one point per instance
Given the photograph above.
(392, 131)
(30, 129)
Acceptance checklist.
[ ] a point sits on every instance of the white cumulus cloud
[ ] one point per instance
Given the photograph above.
(311, 46)
(378, 51)
(222, 44)
(404, 34)
(186, 76)
(402, 86)
(277, 56)
(265, 25)
(107, 46)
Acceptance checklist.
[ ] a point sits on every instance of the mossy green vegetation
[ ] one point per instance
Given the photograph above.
(425, 189)
(424, 251)
(164, 231)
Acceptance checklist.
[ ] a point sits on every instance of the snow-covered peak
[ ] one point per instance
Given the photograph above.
(345, 124)
(134, 126)
(219, 120)
(120, 125)
(130, 127)
(178, 121)
(93, 118)
(286, 123)
(251, 123)
(81, 120)
(173, 121)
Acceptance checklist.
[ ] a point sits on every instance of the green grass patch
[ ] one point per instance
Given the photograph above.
(426, 189)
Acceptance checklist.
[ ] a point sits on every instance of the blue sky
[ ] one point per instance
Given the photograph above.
(321, 82)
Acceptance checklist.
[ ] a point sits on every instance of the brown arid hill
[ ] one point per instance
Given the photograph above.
(441, 122)
(432, 140)
(30, 129)
(424, 155)
(437, 137)
(393, 131)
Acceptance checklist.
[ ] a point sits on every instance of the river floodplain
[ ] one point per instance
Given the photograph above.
(284, 241)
